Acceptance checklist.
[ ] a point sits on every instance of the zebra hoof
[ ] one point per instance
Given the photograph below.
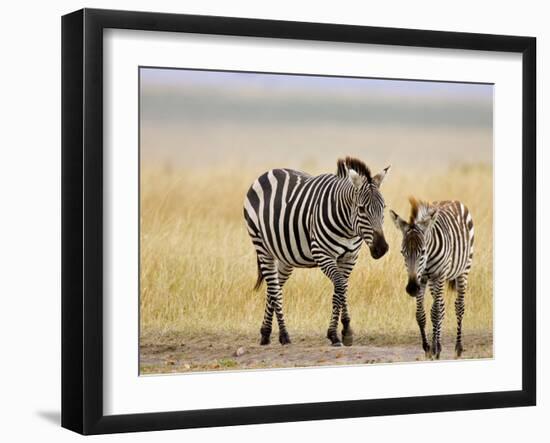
(436, 351)
(337, 344)
(333, 337)
(284, 339)
(347, 339)
(265, 340)
(427, 350)
(459, 350)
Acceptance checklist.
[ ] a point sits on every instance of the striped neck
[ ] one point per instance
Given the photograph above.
(345, 201)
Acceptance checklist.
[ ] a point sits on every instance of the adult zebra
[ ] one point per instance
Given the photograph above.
(438, 246)
(297, 220)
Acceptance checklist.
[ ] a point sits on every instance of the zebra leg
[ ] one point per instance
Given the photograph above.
(283, 272)
(346, 266)
(461, 285)
(437, 314)
(340, 282)
(347, 332)
(337, 300)
(269, 271)
(421, 318)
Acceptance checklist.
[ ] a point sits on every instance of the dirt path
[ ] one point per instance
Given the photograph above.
(225, 352)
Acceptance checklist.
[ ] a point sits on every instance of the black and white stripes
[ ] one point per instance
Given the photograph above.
(298, 220)
(438, 247)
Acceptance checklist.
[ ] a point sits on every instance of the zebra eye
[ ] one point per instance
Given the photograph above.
(361, 208)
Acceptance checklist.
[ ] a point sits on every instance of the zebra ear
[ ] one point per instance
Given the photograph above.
(355, 179)
(379, 178)
(398, 221)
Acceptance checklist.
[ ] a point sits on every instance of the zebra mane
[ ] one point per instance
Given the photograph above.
(419, 209)
(353, 163)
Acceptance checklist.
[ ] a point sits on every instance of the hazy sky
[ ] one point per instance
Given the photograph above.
(155, 77)
(177, 95)
(187, 116)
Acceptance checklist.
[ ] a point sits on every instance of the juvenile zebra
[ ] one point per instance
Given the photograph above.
(296, 220)
(438, 246)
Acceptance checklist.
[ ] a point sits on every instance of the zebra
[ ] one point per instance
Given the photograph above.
(297, 220)
(438, 247)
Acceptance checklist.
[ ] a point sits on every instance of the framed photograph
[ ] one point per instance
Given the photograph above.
(268, 221)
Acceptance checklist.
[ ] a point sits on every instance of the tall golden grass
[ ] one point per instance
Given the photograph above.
(198, 265)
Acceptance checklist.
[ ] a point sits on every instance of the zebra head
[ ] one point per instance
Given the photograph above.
(368, 207)
(414, 244)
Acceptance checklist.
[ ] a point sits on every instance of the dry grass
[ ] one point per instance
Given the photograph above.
(198, 265)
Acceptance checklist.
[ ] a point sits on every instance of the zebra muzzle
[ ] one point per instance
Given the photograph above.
(379, 247)
(412, 287)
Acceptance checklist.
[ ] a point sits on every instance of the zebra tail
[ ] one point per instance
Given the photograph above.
(260, 276)
(452, 285)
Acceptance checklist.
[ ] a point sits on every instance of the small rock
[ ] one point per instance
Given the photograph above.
(186, 366)
(240, 352)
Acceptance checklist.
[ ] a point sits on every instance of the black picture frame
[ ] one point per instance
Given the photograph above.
(82, 220)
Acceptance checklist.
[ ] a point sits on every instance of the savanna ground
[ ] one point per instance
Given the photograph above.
(197, 307)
